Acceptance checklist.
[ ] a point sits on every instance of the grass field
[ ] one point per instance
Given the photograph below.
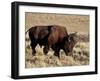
(73, 23)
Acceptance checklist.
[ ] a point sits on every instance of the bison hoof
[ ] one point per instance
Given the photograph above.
(45, 50)
(33, 53)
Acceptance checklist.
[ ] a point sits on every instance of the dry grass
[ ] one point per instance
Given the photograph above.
(80, 54)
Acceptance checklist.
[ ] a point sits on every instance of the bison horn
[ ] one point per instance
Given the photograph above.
(74, 33)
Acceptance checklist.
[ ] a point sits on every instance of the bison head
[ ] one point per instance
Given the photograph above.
(70, 42)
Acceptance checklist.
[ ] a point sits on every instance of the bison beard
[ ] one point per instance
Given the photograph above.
(52, 36)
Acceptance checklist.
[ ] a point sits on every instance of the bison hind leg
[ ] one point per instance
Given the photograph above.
(33, 52)
(33, 48)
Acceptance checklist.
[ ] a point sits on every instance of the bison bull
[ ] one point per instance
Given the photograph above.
(52, 36)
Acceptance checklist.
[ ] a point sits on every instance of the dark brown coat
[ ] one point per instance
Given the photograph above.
(38, 35)
(56, 39)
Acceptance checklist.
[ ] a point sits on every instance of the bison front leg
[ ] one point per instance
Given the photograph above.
(66, 52)
(46, 49)
(56, 52)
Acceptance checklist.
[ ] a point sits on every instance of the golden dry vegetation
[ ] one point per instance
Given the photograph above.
(73, 23)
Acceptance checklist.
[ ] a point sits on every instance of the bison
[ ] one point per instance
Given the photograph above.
(52, 36)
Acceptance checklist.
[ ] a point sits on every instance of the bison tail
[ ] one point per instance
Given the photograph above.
(26, 31)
